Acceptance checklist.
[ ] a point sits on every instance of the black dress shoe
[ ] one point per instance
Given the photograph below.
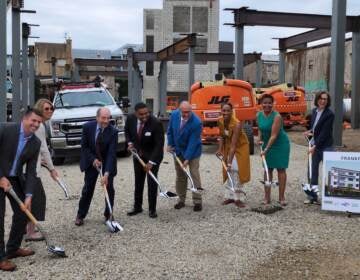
(197, 207)
(134, 212)
(152, 214)
(79, 222)
(179, 205)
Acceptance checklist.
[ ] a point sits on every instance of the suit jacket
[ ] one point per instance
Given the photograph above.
(151, 143)
(187, 141)
(9, 136)
(323, 132)
(108, 148)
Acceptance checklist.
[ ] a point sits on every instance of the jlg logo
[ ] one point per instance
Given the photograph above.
(219, 99)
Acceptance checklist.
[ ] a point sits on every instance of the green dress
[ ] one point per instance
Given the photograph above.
(278, 154)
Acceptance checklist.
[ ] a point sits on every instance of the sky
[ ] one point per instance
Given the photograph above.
(109, 24)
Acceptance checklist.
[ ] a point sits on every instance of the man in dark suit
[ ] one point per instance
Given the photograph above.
(145, 133)
(98, 150)
(18, 147)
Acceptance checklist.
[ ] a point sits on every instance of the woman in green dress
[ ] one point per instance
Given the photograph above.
(275, 144)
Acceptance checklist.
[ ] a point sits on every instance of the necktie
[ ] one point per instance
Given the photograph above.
(183, 122)
(98, 144)
(141, 127)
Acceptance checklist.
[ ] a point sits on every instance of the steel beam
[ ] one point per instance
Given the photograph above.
(114, 73)
(16, 109)
(178, 47)
(130, 78)
(25, 66)
(337, 66)
(101, 62)
(162, 88)
(3, 9)
(239, 52)
(309, 36)
(355, 80)
(244, 16)
(191, 65)
(282, 66)
(31, 76)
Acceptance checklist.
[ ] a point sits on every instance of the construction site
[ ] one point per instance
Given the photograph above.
(182, 55)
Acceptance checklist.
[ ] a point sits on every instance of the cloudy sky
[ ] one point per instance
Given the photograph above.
(108, 24)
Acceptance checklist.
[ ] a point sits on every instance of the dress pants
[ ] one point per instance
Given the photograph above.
(19, 220)
(38, 203)
(91, 175)
(140, 175)
(316, 158)
(181, 180)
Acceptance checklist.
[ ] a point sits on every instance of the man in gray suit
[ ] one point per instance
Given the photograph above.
(18, 147)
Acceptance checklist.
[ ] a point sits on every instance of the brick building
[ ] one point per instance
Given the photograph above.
(163, 27)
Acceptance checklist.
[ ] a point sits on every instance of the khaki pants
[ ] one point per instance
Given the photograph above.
(181, 180)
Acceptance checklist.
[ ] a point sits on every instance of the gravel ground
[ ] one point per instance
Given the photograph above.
(221, 242)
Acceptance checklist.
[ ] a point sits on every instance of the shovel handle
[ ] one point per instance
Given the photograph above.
(22, 206)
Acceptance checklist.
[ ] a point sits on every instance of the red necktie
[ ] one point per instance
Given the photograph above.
(139, 132)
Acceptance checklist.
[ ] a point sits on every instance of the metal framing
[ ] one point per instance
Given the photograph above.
(3, 10)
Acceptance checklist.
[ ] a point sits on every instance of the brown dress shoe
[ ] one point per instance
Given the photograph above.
(6, 265)
(21, 252)
(227, 201)
(239, 204)
(179, 205)
(197, 207)
(79, 221)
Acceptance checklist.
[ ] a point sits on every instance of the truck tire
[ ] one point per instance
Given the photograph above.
(58, 160)
(250, 135)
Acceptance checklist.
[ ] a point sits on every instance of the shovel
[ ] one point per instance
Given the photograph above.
(193, 189)
(267, 182)
(112, 225)
(232, 185)
(166, 194)
(58, 251)
(62, 185)
(311, 191)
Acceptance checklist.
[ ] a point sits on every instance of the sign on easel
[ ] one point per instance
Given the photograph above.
(341, 182)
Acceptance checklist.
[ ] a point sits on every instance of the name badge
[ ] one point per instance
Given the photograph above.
(226, 132)
(148, 133)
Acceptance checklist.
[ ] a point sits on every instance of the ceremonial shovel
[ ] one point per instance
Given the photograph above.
(166, 194)
(232, 185)
(58, 251)
(310, 190)
(193, 189)
(62, 185)
(112, 225)
(267, 182)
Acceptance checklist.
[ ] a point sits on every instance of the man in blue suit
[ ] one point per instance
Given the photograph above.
(98, 150)
(184, 138)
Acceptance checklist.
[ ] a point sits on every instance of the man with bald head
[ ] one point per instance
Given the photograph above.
(184, 138)
(98, 151)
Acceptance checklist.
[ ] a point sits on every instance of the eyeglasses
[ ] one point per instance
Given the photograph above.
(48, 109)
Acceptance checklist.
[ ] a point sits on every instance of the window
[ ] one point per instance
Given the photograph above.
(181, 19)
(149, 68)
(149, 43)
(200, 19)
(201, 45)
(150, 20)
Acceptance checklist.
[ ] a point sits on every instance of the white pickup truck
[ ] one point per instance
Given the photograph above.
(76, 104)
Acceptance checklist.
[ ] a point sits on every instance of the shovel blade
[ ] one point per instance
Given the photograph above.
(58, 251)
(114, 226)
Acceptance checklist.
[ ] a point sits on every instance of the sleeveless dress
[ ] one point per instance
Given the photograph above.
(242, 153)
(278, 154)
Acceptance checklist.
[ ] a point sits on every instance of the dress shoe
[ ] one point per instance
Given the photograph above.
(6, 265)
(153, 214)
(227, 201)
(134, 212)
(239, 204)
(79, 221)
(179, 205)
(21, 252)
(197, 207)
